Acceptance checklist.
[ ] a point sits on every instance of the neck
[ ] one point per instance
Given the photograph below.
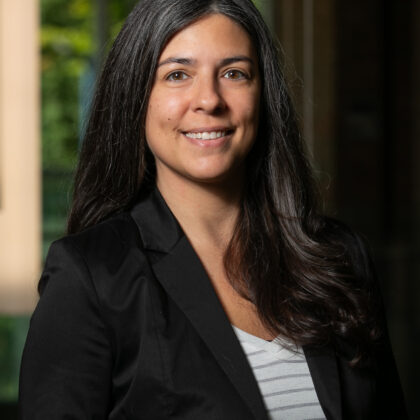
(206, 212)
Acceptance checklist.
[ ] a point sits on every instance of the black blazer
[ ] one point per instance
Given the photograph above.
(129, 327)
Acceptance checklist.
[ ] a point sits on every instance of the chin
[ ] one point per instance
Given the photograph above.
(226, 176)
(209, 178)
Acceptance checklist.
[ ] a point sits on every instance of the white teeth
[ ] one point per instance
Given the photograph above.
(206, 135)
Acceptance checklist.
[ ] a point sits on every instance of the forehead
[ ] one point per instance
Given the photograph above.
(213, 35)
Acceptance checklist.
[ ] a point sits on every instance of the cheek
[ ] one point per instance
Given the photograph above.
(152, 124)
(250, 115)
(256, 111)
(166, 109)
(247, 106)
(162, 122)
(173, 104)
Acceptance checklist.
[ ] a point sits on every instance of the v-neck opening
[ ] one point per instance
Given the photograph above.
(277, 346)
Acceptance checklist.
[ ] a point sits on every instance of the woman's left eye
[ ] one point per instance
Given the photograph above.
(235, 75)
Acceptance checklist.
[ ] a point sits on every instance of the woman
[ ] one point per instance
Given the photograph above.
(196, 247)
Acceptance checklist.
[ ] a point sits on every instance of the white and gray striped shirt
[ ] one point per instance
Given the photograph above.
(283, 377)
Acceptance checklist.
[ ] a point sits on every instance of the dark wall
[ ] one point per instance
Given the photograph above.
(376, 173)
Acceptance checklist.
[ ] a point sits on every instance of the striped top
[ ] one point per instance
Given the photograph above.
(283, 378)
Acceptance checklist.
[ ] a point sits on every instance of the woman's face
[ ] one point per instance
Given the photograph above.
(202, 117)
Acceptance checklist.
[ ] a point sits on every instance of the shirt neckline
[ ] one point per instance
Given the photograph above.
(275, 346)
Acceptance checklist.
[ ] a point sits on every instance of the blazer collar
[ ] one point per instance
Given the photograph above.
(322, 363)
(158, 227)
(182, 275)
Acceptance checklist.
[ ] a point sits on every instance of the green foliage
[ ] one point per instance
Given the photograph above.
(12, 337)
(67, 45)
(118, 10)
(70, 55)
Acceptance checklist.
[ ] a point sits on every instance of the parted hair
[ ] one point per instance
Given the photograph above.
(309, 276)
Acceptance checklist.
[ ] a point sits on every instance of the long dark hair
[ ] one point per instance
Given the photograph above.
(296, 266)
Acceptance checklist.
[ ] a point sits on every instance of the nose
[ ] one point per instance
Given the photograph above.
(207, 96)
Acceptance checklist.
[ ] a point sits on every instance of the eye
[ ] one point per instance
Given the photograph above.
(235, 75)
(177, 76)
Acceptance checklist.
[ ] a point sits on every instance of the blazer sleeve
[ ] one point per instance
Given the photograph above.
(390, 396)
(67, 360)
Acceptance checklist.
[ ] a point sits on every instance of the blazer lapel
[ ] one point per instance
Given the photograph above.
(322, 363)
(183, 277)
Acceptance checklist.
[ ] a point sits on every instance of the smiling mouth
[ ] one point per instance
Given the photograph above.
(208, 135)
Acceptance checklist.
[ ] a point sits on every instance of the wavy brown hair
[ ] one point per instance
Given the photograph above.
(308, 276)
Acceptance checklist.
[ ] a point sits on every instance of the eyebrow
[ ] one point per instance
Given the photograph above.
(191, 61)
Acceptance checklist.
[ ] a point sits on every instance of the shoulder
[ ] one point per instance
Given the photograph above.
(359, 276)
(386, 380)
(110, 237)
(97, 253)
(357, 270)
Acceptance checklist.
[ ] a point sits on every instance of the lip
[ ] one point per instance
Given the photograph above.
(209, 142)
(229, 130)
(212, 143)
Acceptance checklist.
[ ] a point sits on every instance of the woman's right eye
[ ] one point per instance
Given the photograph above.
(177, 76)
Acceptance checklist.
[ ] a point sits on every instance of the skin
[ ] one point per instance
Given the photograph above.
(203, 91)
(207, 80)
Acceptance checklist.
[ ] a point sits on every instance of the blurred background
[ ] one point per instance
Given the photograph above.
(354, 71)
